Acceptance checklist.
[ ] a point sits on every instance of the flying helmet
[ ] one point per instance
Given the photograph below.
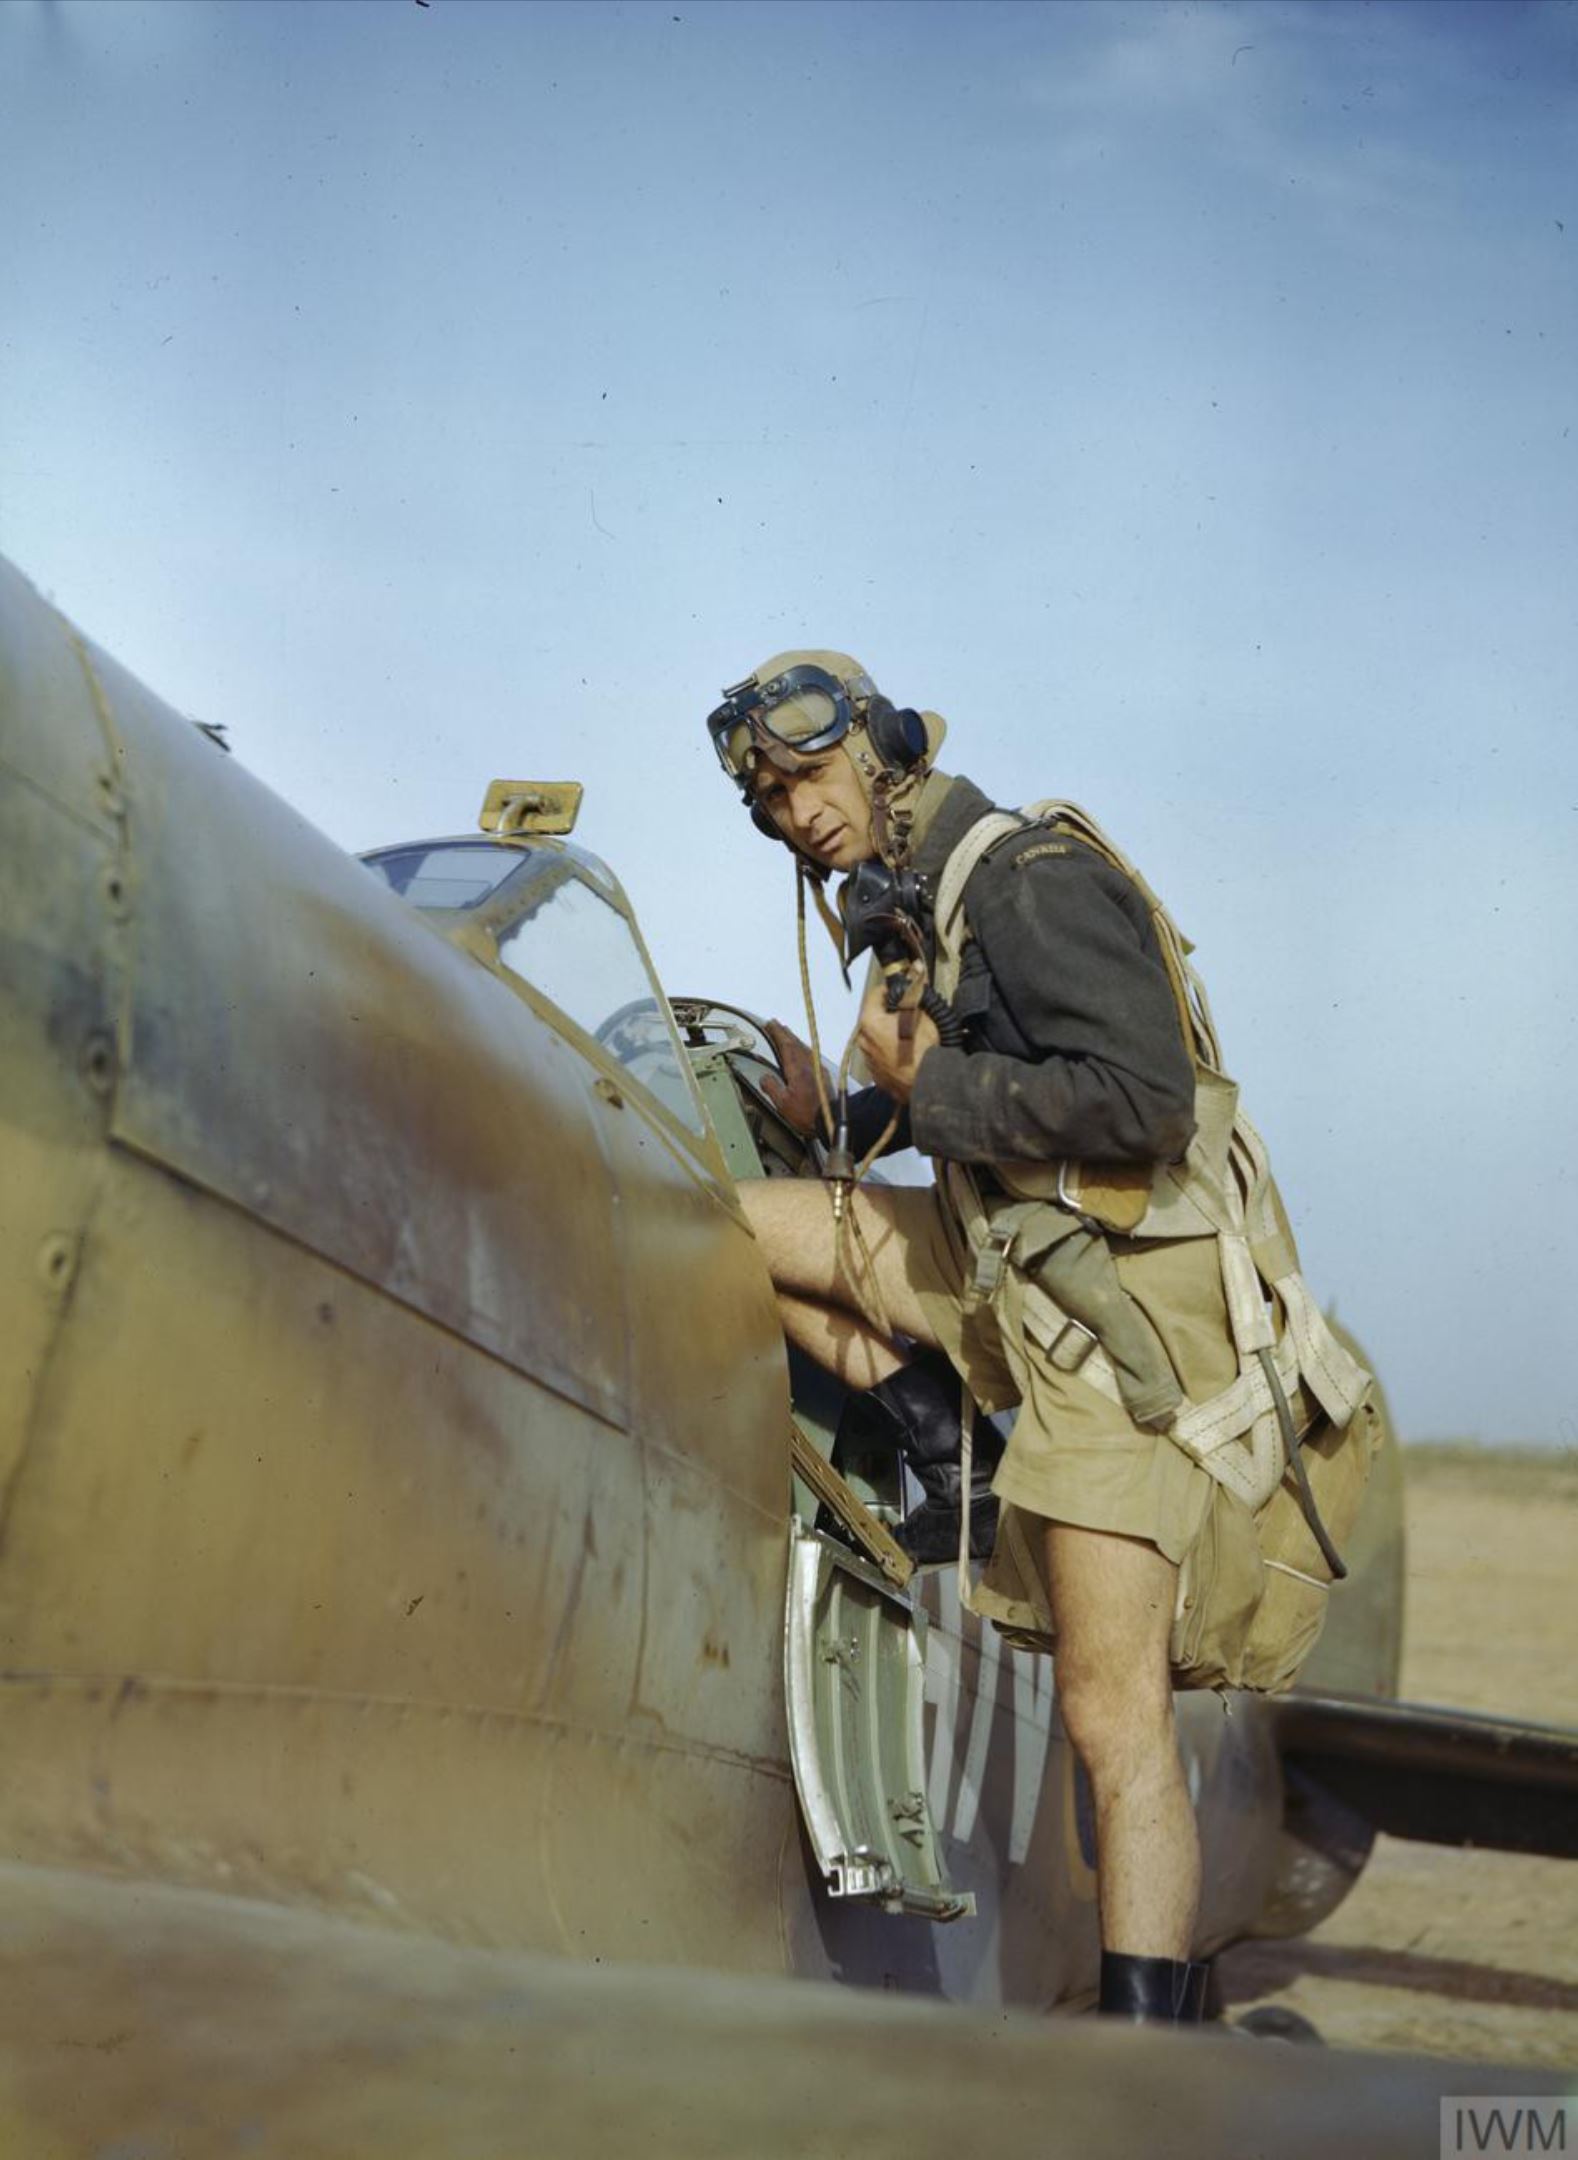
(799, 704)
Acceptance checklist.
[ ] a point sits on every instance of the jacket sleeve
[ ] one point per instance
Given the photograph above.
(869, 1111)
(1072, 966)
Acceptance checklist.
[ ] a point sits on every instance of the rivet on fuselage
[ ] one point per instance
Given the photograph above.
(57, 1262)
(98, 1063)
(113, 886)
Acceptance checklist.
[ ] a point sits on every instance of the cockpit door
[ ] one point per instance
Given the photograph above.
(855, 1669)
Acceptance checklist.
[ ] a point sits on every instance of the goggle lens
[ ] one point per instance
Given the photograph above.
(804, 715)
(804, 710)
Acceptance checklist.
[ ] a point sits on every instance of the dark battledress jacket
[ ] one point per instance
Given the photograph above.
(1072, 1044)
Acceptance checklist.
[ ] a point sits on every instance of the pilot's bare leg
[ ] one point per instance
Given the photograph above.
(1112, 1602)
(847, 1296)
(843, 1298)
(838, 1340)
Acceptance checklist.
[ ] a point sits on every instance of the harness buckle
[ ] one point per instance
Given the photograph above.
(1070, 1346)
(992, 1258)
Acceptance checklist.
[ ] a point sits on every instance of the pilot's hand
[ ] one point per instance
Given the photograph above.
(794, 1097)
(892, 1057)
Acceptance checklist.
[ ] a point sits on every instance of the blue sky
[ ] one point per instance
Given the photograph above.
(1179, 398)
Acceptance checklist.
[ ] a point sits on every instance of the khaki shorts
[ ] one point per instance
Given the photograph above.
(1074, 1456)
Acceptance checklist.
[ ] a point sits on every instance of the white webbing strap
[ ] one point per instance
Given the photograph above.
(1298, 1575)
(1204, 1427)
(1337, 1381)
(979, 841)
(1045, 1319)
(1236, 1436)
(966, 1469)
(1246, 1300)
(1260, 1217)
(1243, 1412)
(1253, 1470)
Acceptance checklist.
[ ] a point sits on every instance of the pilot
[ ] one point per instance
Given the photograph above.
(1064, 1046)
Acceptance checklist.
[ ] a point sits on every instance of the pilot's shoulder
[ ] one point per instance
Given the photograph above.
(1041, 876)
(1043, 850)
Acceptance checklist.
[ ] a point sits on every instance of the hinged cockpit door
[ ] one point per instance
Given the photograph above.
(854, 1669)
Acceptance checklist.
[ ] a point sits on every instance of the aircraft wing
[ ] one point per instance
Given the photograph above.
(1441, 1777)
(142, 2018)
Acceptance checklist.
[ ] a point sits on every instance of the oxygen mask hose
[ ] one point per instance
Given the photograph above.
(838, 1167)
(825, 1108)
(838, 1164)
(906, 991)
(950, 1028)
(840, 1171)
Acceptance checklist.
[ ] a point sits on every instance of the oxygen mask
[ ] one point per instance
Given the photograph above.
(883, 913)
(881, 909)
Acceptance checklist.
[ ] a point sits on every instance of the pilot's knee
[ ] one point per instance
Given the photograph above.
(1117, 1715)
(793, 1229)
(769, 1209)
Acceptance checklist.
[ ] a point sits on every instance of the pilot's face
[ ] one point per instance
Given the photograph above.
(820, 807)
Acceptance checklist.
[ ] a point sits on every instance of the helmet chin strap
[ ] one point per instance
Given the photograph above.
(891, 795)
(890, 821)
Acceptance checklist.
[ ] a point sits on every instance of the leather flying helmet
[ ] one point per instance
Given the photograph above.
(800, 704)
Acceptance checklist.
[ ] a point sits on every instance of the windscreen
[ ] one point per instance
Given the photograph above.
(445, 874)
(579, 952)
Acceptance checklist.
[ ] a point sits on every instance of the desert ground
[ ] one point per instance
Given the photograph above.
(1465, 1953)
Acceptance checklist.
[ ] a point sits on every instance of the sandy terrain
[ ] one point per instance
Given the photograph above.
(1465, 1953)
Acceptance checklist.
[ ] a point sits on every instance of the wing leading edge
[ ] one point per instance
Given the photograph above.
(1440, 1777)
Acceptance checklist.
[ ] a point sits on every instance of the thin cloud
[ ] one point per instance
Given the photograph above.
(1322, 106)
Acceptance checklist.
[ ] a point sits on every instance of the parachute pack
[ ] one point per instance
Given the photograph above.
(1288, 1443)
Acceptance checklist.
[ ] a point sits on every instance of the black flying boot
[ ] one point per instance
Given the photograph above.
(1153, 1990)
(916, 1411)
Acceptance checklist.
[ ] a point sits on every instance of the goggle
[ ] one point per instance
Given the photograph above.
(803, 710)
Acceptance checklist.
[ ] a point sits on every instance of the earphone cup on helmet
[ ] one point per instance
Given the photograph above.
(897, 734)
(763, 822)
